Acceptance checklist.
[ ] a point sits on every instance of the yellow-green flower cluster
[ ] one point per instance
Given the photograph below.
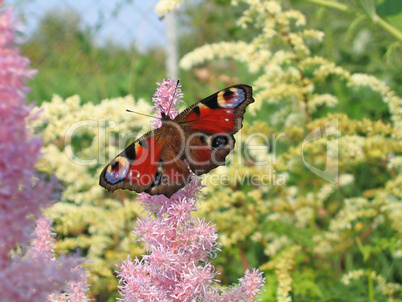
(394, 102)
(387, 288)
(330, 217)
(283, 264)
(221, 50)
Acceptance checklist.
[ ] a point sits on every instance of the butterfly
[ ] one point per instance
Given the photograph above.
(198, 139)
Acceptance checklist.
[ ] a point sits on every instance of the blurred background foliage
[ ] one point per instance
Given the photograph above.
(70, 62)
(300, 233)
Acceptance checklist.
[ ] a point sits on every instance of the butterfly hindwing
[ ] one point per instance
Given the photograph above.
(169, 178)
(205, 152)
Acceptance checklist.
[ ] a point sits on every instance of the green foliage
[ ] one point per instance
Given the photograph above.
(316, 235)
(356, 42)
(70, 62)
(384, 13)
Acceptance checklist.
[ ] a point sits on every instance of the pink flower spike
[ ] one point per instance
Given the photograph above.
(166, 99)
(77, 291)
(43, 243)
(252, 283)
(29, 271)
(176, 266)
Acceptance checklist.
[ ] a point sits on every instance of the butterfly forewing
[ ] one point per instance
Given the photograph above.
(136, 166)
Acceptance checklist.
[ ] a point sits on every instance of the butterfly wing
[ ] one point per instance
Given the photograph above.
(170, 177)
(210, 125)
(151, 164)
(135, 167)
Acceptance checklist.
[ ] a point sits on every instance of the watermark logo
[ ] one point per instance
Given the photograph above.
(257, 149)
(330, 172)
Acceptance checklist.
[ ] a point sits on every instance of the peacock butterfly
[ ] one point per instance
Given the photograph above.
(197, 139)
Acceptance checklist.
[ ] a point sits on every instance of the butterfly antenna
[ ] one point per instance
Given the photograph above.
(174, 95)
(142, 114)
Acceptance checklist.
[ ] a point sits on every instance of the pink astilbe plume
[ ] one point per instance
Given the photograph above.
(166, 99)
(42, 248)
(26, 274)
(176, 267)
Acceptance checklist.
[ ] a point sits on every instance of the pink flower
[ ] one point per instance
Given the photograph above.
(177, 267)
(166, 99)
(21, 199)
(25, 274)
(77, 290)
(42, 245)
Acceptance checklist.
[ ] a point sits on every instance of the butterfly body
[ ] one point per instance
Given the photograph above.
(197, 139)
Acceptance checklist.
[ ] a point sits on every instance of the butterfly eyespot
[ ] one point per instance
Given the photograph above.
(117, 170)
(228, 94)
(115, 165)
(231, 98)
(219, 142)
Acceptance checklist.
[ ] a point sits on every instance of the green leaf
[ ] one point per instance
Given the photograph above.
(391, 11)
(391, 50)
(369, 8)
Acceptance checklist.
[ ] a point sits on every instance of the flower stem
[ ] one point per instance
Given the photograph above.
(243, 258)
(388, 27)
(370, 286)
